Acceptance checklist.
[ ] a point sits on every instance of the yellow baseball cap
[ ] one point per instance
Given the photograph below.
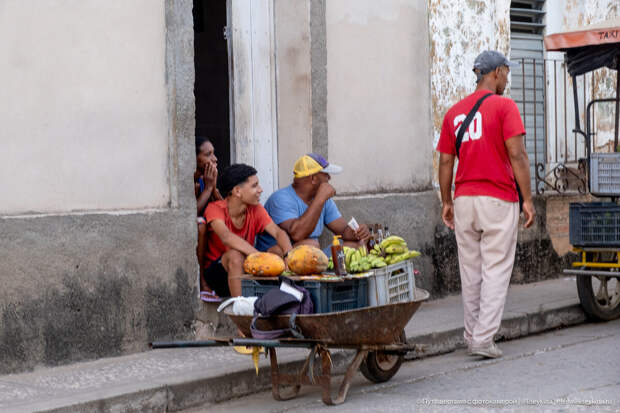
(311, 164)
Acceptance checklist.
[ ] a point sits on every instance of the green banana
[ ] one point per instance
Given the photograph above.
(404, 256)
(393, 239)
(396, 249)
(414, 253)
(348, 254)
(362, 251)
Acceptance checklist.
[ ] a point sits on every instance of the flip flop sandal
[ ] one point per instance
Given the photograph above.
(209, 297)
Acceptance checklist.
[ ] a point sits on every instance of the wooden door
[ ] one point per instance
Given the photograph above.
(253, 99)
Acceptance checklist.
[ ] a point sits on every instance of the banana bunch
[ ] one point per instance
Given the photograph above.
(393, 249)
(358, 260)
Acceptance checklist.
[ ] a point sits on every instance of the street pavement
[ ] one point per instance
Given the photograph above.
(572, 369)
(176, 379)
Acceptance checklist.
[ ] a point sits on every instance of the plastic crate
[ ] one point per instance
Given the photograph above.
(594, 224)
(392, 284)
(605, 174)
(327, 297)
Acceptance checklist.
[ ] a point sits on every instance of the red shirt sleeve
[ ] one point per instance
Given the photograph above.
(214, 211)
(512, 124)
(262, 218)
(447, 140)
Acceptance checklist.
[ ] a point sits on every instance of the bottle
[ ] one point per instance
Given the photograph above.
(371, 240)
(338, 257)
(386, 231)
(379, 233)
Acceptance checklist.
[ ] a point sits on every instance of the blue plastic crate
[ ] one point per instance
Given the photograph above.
(327, 297)
(594, 224)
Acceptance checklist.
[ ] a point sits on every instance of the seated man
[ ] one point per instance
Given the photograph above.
(305, 207)
(233, 224)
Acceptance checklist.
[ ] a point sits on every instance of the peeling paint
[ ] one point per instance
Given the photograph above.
(459, 31)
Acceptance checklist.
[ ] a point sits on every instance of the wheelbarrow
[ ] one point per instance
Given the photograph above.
(376, 333)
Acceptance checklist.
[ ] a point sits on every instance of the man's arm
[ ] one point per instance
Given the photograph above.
(521, 168)
(340, 227)
(446, 169)
(231, 240)
(281, 238)
(301, 228)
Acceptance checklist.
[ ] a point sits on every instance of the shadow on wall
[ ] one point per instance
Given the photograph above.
(78, 322)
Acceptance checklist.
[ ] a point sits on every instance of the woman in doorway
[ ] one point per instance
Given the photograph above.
(205, 179)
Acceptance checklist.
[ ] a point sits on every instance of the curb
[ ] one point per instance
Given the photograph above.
(523, 325)
(184, 394)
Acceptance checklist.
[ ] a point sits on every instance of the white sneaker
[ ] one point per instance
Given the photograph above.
(491, 351)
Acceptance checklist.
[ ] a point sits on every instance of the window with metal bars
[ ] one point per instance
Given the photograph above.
(527, 86)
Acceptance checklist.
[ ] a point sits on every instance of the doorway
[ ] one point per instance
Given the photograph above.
(212, 83)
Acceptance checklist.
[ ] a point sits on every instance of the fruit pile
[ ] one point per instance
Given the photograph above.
(391, 250)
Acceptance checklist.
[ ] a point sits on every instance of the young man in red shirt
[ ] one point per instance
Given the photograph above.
(233, 224)
(485, 211)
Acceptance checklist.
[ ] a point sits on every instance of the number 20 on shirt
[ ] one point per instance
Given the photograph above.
(474, 132)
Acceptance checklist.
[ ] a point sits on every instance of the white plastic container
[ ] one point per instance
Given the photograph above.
(392, 284)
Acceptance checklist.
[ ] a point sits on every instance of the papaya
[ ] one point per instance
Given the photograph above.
(264, 264)
(306, 259)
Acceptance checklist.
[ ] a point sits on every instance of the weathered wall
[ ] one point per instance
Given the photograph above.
(294, 88)
(378, 94)
(82, 286)
(83, 112)
(459, 31)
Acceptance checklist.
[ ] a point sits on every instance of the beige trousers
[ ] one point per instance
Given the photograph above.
(486, 235)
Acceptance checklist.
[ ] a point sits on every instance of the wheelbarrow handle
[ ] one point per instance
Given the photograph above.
(183, 344)
(270, 343)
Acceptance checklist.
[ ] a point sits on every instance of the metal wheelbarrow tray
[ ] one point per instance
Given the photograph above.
(377, 333)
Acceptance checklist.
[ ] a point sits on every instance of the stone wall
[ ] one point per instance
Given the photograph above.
(85, 285)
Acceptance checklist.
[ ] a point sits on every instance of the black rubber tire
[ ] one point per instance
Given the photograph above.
(374, 366)
(589, 303)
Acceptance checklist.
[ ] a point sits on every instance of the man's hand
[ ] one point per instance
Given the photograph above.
(325, 191)
(210, 175)
(447, 214)
(529, 212)
(362, 234)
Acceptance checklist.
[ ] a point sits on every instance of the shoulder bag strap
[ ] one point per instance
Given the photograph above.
(467, 121)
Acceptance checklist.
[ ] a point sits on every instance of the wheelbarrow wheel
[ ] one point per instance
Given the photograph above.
(379, 366)
(599, 296)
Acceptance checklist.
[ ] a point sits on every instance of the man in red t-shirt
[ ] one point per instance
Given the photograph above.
(233, 224)
(485, 211)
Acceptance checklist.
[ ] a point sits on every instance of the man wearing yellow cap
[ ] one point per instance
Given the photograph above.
(304, 208)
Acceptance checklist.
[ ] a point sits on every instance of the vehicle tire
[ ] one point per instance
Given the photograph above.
(599, 296)
(380, 367)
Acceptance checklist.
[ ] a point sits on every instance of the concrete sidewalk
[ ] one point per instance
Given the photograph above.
(168, 380)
